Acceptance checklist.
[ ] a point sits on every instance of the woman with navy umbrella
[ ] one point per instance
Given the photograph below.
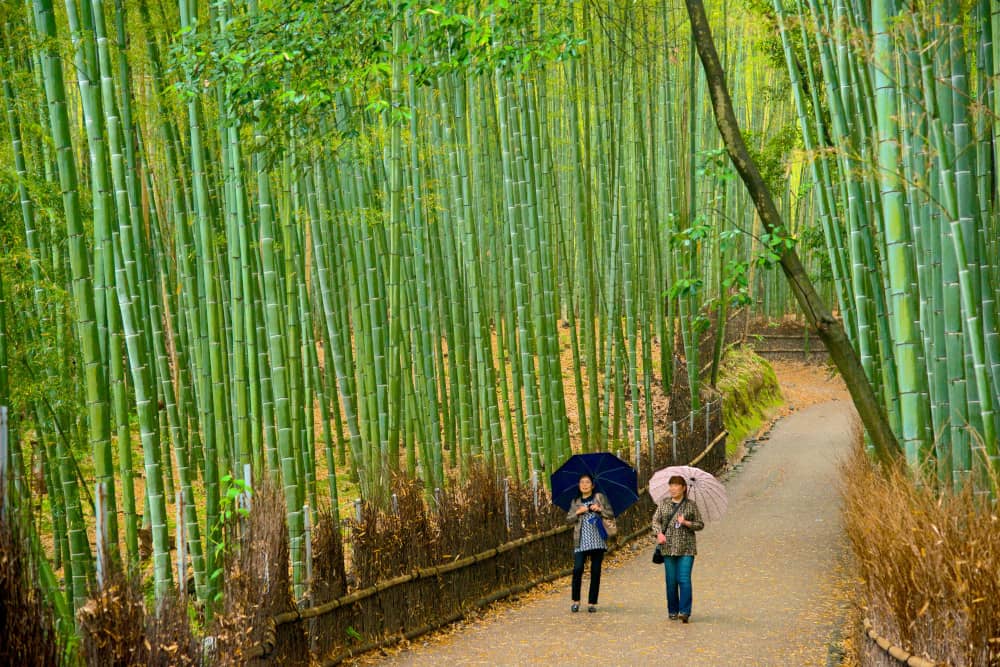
(586, 512)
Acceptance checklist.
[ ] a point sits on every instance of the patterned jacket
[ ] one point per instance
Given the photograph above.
(575, 519)
(680, 539)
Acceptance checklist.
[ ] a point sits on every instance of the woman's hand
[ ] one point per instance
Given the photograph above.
(683, 521)
(661, 538)
(582, 509)
(594, 507)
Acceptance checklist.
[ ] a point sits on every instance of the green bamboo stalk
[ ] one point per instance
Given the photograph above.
(81, 24)
(277, 356)
(908, 349)
(337, 346)
(211, 392)
(4, 363)
(514, 221)
(425, 356)
(83, 295)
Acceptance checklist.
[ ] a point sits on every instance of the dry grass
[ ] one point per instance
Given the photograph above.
(171, 640)
(927, 565)
(460, 521)
(117, 629)
(329, 570)
(113, 625)
(27, 628)
(257, 585)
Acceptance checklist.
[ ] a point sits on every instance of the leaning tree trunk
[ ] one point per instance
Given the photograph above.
(830, 330)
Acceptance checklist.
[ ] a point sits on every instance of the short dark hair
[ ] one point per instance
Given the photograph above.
(588, 476)
(677, 479)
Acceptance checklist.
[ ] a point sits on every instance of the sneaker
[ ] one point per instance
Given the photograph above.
(575, 608)
(591, 609)
(672, 617)
(684, 618)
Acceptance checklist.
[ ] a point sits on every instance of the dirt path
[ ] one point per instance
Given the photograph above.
(767, 579)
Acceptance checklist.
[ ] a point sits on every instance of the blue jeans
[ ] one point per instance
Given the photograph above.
(678, 571)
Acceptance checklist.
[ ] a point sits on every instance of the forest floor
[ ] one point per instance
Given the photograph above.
(770, 586)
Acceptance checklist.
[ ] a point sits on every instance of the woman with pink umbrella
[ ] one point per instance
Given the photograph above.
(675, 522)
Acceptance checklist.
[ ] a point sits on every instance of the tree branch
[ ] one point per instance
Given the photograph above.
(829, 329)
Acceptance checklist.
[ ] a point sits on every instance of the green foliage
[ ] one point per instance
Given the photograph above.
(232, 489)
(772, 157)
(685, 287)
(230, 512)
(736, 282)
(716, 164)
(770, 47)
(812, 238)
(295, 64)
(775, 243)
(36, 347)
(689, 237)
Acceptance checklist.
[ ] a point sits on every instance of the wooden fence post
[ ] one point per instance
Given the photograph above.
(506, 502)
(534, 488)
(708, 415)
(652, 455)
(181, 547)
(307, 520)
(99, 536)
(309, 551)
(673, 441)
(3, 461)
(248, 495)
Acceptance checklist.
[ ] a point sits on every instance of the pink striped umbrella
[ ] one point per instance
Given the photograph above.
(702, 487)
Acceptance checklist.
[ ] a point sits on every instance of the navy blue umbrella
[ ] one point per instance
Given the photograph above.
(613, 477)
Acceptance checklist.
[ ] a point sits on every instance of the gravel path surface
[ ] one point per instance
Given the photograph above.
(767, 579)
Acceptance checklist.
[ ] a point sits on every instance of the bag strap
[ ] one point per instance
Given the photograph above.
(676, 510)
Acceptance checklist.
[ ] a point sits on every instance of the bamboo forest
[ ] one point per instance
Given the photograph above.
(367, 259)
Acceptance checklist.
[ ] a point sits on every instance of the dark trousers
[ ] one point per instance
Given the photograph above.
(579, 559)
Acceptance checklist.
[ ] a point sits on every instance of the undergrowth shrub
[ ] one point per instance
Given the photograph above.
(257, 585)
(27, 628)
(170, 636)
(116, 628)
(113, 624)
(928, 563)
(329, 571)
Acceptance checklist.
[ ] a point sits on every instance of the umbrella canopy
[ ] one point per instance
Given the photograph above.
(702, 487)
(613, 477)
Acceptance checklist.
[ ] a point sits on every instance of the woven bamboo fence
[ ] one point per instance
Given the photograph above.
(423, 565)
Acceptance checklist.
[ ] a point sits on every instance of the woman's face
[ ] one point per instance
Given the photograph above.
(676, 491)
(586, 486)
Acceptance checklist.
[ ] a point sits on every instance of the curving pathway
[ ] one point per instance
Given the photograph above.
(767, 580)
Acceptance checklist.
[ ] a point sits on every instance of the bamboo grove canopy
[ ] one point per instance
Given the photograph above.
(298, 238)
